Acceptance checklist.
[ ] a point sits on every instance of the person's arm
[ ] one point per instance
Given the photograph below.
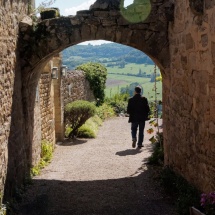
(129, 107)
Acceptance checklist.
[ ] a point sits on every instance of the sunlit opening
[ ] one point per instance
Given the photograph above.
(128, 2)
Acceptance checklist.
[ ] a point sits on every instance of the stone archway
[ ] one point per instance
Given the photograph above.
(185, 52)
(38, 44)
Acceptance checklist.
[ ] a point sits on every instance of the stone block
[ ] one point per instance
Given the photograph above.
(211, 81)
(93, 21)
(108, 22)
(101, 14)
(212, 128)
(85, 32)
(189, 42)
(204, 40)
(122, 21)
(26, 24)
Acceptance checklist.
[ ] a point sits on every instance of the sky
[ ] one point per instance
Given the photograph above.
(70, 7)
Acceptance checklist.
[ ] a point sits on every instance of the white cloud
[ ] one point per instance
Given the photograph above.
(84, 6)
(95, 42)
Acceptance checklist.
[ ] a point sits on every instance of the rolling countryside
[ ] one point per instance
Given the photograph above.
(126, 67)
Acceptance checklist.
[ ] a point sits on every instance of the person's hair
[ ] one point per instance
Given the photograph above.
(137, 89)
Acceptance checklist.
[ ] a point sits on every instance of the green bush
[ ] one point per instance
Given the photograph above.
(105, 111)
(67, 131)
(46, 151)
(90, 128)
(118, 102)
(86, 132)
(185, 194)
(97, 120)
(77, 113)
(2, 207)
(96, 74)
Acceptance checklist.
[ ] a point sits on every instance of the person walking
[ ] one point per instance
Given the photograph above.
(138, 110)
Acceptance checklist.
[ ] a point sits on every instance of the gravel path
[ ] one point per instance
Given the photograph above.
(102, 176)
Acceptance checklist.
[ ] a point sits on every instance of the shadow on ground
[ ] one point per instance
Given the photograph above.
(136, 195)
(129, 152)
(70, 142)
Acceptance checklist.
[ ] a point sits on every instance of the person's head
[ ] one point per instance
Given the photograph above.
(137, 90)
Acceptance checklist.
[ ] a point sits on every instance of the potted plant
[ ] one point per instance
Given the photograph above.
(207, 203)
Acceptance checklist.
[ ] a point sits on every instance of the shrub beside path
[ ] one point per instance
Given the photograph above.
(102, 176)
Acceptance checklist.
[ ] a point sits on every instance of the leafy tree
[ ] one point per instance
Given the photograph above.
(130, 89)
(96, 74)
(118, 102)
(153, 77)
(77, 113)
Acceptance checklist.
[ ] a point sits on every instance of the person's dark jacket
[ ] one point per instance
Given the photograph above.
(138, 108)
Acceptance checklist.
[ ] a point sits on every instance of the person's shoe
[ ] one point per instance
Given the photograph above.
(140, 146)
(134, 143)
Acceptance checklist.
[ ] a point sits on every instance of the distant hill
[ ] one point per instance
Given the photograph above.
(109, 54)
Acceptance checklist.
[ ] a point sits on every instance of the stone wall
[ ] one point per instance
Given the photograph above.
(47, 107)
(58, 100)
(189, 95)
(37, 131)
(76, 87)
(11, 12)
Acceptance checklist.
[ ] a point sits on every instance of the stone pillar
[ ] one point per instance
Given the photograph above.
(47, 105)
(58, 100)
(36, 141)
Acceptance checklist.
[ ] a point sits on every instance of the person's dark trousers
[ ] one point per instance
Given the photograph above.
(134, 127)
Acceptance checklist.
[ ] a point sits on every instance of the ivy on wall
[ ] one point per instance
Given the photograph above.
(96, 74)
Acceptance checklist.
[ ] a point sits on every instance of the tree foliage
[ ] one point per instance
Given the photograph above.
(77, 113)
(96, 74)
(110, 54)
(130, 89)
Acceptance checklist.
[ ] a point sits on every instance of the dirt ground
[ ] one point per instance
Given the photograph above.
(102, 176)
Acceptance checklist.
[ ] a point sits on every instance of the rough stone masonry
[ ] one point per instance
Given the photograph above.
(178, 35)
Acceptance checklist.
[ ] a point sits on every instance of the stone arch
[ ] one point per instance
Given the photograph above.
(38, 44)
(102, 21)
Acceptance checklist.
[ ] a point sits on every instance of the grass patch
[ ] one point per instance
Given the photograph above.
(116, 81)
(46, 156)
(132, 68)
(90, 128)
(2, 206)
(148, 86)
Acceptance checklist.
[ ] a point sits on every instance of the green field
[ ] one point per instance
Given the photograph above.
(132, 68)
(116, 81)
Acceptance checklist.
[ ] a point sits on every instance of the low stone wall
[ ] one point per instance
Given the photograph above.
(76, 87)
